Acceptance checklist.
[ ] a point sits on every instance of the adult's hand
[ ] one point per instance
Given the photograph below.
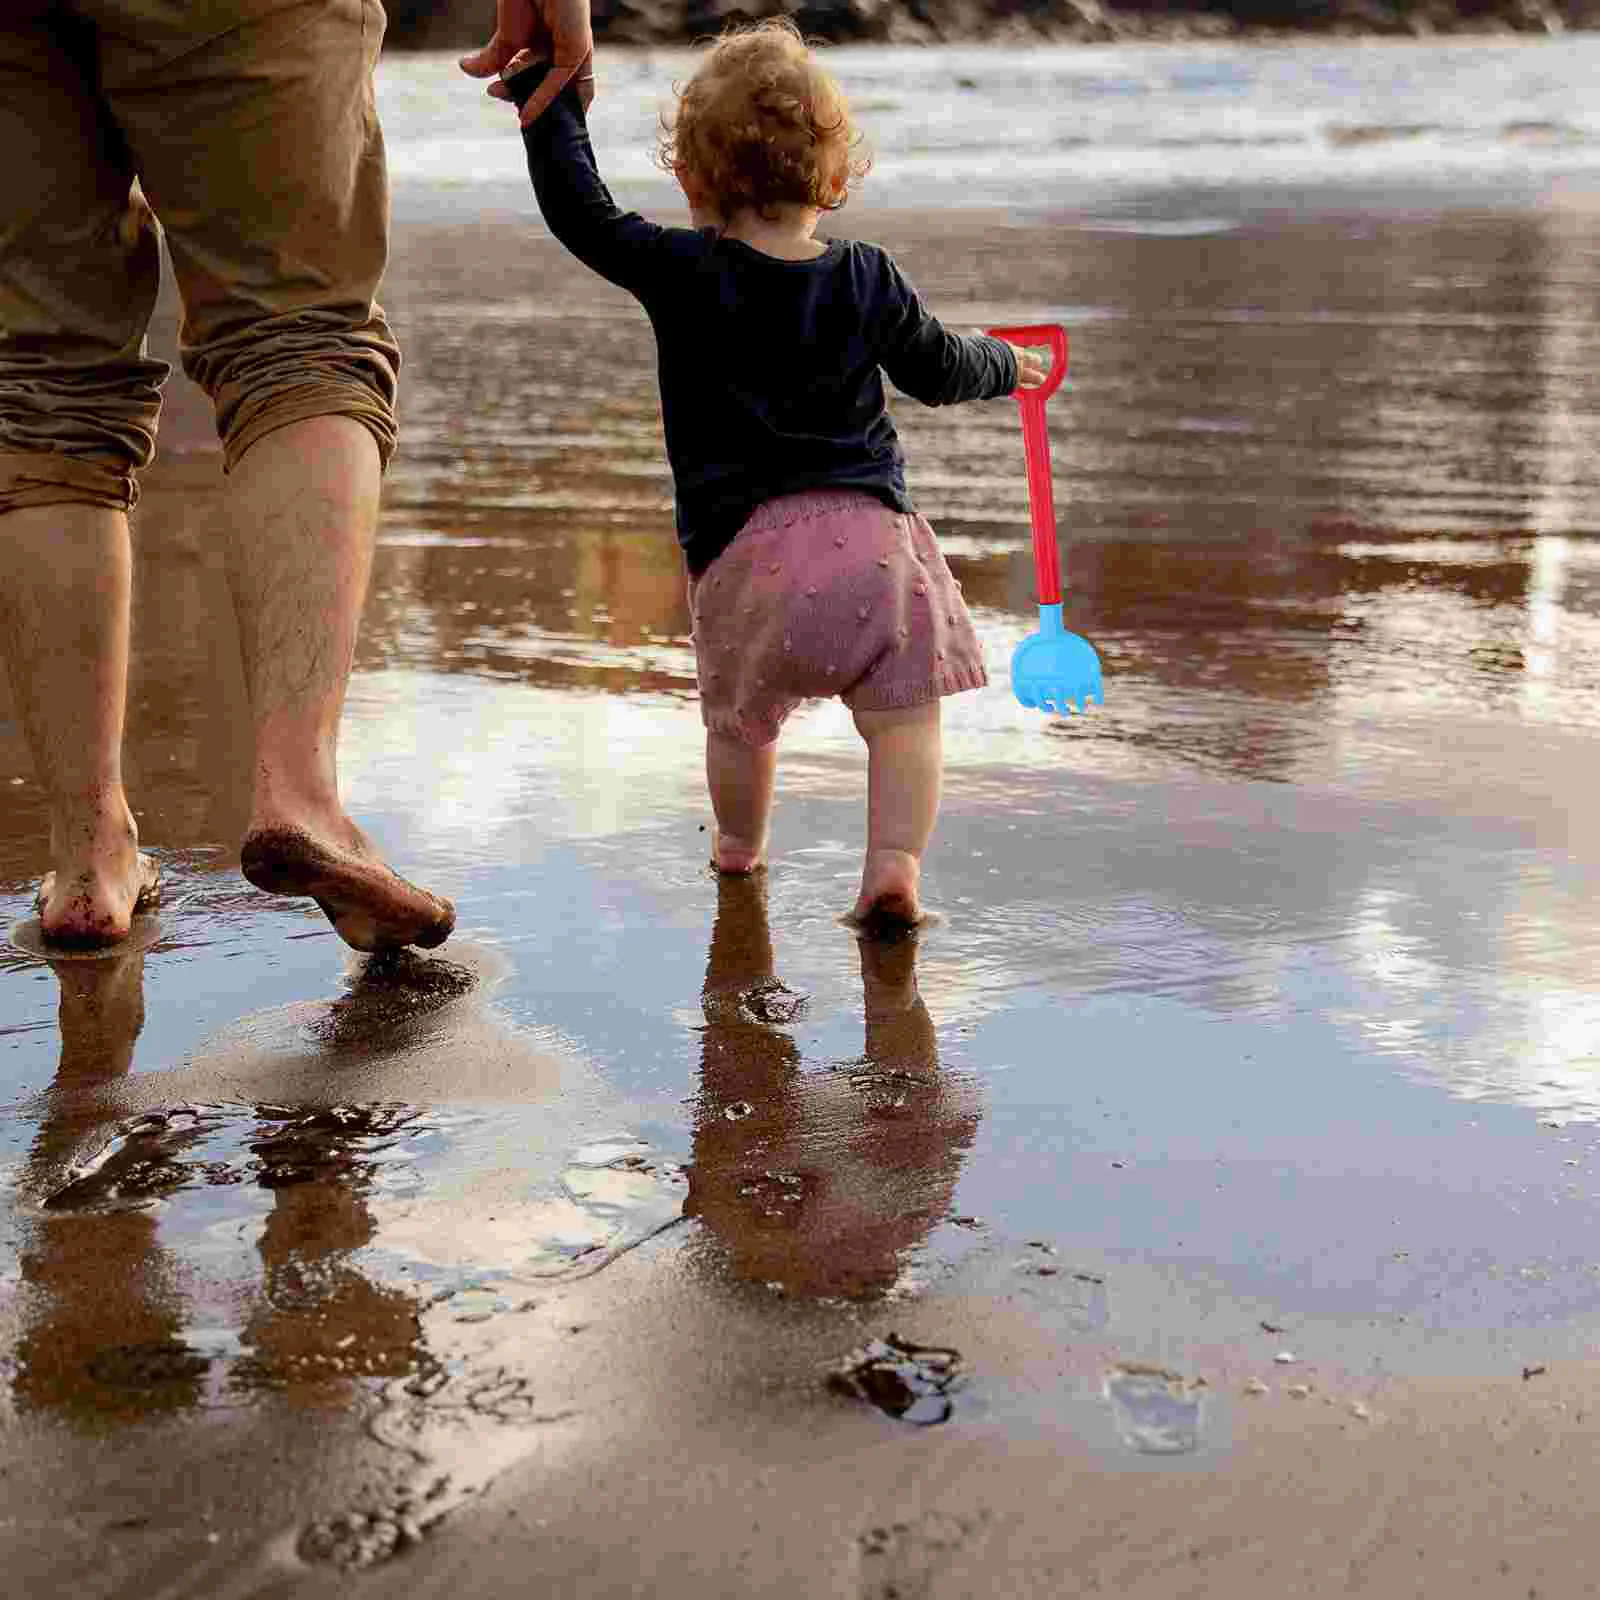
(558, 31)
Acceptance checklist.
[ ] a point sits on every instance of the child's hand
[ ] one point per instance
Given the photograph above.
(1032, 368)
(557, 31)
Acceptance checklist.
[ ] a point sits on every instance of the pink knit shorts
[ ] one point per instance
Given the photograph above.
(822, 594)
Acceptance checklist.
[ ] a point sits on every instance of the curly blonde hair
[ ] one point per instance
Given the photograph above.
(761, 124)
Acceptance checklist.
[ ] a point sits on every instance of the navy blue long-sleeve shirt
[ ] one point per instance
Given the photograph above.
(771, 371)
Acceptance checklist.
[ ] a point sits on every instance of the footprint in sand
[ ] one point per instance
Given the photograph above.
(911, 1382)
(460, 1422)
(1158, 1413)
(455, 1433)
(903, 1560)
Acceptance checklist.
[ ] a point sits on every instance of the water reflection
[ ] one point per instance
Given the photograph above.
(318, 1322)
(114, 1323)
(103, 1312)
(1307, 475)
(550, 599)
(819, 1181)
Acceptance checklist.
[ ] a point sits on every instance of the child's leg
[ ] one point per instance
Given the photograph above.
(905, 761)
(740, 777)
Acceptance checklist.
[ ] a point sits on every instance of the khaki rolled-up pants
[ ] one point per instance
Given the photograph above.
(248, 128)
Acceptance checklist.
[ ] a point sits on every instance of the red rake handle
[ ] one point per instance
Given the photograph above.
(1036, 446)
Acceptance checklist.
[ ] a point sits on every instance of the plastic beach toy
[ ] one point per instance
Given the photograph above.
(1052, 670)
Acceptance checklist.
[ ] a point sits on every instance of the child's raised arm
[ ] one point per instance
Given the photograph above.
(620, 245)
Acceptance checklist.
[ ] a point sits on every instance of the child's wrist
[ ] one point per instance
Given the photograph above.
(524, 83)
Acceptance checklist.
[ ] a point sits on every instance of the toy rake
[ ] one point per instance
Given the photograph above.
(1052, 670)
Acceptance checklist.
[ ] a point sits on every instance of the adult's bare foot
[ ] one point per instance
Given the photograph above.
(94, 907)
(369, 904)
(888, 902)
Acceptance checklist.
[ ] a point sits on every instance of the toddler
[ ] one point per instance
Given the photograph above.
(811, 574)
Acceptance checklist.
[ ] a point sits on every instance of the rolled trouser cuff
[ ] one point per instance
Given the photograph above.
(308, 364)
(75, 432)
(49, 478)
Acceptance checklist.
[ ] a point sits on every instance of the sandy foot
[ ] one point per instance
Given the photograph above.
(369, 904)
(82, 915)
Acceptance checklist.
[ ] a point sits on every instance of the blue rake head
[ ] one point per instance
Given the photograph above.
(1053, 670)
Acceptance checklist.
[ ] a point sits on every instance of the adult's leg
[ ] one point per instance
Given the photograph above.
(64, 620)
(308, 496)
(905, 759)
(78, 409)
(261, 152)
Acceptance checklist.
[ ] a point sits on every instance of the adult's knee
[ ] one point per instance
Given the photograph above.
(286, 368)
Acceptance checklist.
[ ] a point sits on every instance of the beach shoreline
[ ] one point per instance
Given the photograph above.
(648, 23)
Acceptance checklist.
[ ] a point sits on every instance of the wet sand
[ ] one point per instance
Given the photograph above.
(1260, 1019)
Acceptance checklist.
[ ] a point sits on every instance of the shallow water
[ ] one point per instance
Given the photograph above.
(1264, 995)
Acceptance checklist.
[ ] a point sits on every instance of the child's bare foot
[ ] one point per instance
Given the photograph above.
(888, 902)
(94, 907)
(735, 856)
(370, 905)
